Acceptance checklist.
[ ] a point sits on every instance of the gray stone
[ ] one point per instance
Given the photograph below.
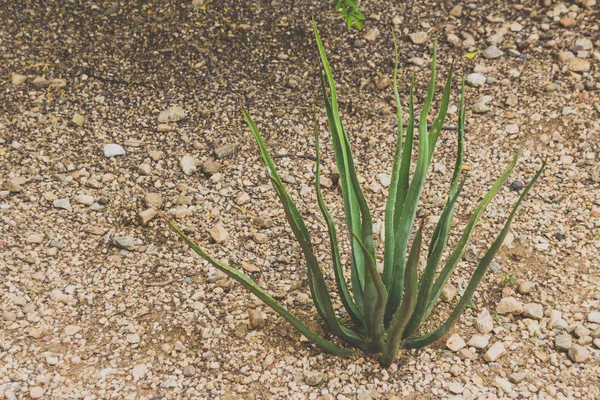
(188, 164)
(313, 378)
(584, 43)
(455, 343)
(533, 310)
(65, 204)
(578, 354)
(495, 352)
(503, 384)
(189, 371)
(492, 52)
(113, 150)
(139, 371)
(372, 34)
(475, 80)
(147, 215)
(418, 37)
(40, 82)
(479, 341)
(124, 242)
(456, 11)
(211, 167)
(518, 377)
(154, 200)
(171, 114)
(509, 305)
(481, 106)
(17, 79)
(218, 233)
(226, 150)
(581, 331)
(78, 120)
(526, 287)
(484, 322)
(85, 199)
(594, 317)
(579, 65)
(256, 319)
(563, 342)
(455, 388)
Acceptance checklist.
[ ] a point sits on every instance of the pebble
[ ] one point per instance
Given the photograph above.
(585, 43)
(256, 320)
(36, 392)
(35, 238)
(164, 128)
(533, 310)
(78, 120)
(155, 155)
(40, 82)
(133, 338)
(124, 242)
(147, 215)
(578, 354)
(383, 82)
(594, 317)
(145, 169)
(511, 129)
(71, 330)
(418, 61)
(563, 342)
(517, 185)
(517, 377)
(226, 150)
(250, 267)
(581, 331)
(509, 305)
(456, 11)
(492, 52)
(17, 79)
(189, 371)
(495, 352)
(211, 167)
(153, 199)
(481, 106)
(139, 371)
(455, 388)
(480, 342)
(484, 322)
(242, 198)
(475, 80)
(64, 204)
(503, 384)
(171, 114)
(579, 65)
(188, 164)
(218, 233)
(418, 37)
(113, 150)
(455, 343)
(512, 100)
(51, 360)
(372, 34)
(448, 293)
(526, 287)
(260, 238)
(313, 378)
(85, 199)
(268, 361)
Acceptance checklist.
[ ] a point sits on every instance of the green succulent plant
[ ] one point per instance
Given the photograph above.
(387, 311)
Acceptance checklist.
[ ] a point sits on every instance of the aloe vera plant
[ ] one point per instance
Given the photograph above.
(387, 310)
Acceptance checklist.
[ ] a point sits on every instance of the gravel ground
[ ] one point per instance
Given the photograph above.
(107, 108)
